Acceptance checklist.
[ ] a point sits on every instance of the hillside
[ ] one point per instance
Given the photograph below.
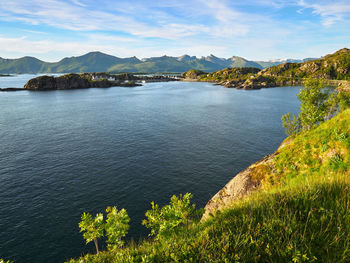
(91, 62)
(100, 62)
(225, 77)
(331, 68)
(335, 66)
(297, 211)
(26, 65)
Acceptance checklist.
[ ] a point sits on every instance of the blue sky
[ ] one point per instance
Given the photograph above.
(254, 29)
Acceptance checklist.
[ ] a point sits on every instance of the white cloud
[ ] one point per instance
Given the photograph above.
(331, 12)
(78, 18)
(142, 22)
(43, 49)
(76, 2)
(254, 28)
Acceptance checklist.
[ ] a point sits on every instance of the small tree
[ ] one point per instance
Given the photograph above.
(291, 125)
(343, 98)
(117, 226)
(93, 228)
(164, 221)
(314, 103)
(317, 105)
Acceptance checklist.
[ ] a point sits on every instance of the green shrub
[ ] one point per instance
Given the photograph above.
(291, 125)
(115, 227)
(163, 221)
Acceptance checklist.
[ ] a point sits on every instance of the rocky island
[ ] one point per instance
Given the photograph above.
(89, 80)
(78, 81)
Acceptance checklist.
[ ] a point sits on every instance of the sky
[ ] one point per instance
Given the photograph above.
(253, 29)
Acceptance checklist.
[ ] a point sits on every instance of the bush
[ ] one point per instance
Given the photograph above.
(115, 227)
(317, 105)
(291, 125)
(314, 107)
(164, 221)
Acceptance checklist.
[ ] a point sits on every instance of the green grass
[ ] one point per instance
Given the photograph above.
(300, 214)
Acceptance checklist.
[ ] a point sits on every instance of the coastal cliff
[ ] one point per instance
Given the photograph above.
(323, 150)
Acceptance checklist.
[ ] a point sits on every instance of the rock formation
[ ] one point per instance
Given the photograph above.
(73, 81)
(241, 185)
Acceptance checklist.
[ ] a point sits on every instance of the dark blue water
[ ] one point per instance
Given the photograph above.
(66, 152)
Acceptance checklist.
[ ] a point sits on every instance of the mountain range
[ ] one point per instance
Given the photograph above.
(100, 62)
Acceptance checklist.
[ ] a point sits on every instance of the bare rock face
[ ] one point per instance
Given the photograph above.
(240, 186)
(310, 67)
(193, 74)
(258, 82)
(69, 81)
(344, 86)
(41, 83)
(72, 81)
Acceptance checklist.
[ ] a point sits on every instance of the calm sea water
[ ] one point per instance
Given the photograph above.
(66, 152)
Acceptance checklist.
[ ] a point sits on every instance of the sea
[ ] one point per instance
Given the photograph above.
(66, 152)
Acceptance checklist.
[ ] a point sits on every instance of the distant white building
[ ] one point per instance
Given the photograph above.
(97, 77)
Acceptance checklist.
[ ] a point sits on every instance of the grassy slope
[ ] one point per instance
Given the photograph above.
(301, 213)
(230, 74)
(334, 66)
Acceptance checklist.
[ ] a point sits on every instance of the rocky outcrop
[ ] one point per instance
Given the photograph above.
(41, 83)
(193, 75)
(240, 186)
(344, 86)
(72, 81)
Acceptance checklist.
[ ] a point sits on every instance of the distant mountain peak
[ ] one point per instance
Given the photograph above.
(343, 50)
(186, 58)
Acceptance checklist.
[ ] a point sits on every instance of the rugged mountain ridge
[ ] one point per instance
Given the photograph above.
(100, 62)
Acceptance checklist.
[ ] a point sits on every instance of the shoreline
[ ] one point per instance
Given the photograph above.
(103, 80)
(343, 85)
